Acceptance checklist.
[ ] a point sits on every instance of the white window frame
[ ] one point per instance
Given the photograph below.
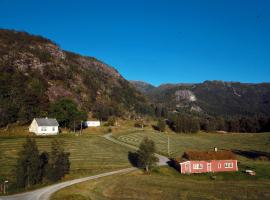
(228, 165)
(219, 165)
(198, 166)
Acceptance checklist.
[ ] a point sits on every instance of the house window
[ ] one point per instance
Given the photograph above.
(43, 129)
(219, 165)
(53, 129)
(228, 165)
(197, 166)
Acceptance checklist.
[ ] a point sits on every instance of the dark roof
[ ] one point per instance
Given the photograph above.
(47, 122)
(209, 155)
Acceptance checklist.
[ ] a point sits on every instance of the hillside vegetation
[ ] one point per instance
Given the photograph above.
(34, 72)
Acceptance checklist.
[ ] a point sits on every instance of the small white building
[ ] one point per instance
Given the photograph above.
(44, 126)
(91, 123)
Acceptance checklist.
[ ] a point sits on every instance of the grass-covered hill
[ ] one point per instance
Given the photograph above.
(34, 72)
(213, 97)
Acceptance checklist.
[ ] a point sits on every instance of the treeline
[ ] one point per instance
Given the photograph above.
(183, 123)
(34, 167)
(236, 124)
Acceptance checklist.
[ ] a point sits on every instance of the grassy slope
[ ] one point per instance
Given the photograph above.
(89, 154)
(166, 183)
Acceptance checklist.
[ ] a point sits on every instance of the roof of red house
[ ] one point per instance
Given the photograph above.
(209, 155)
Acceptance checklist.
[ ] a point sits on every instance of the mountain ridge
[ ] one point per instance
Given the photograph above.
(213, 97)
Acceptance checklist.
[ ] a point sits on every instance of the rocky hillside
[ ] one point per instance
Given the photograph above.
(34, 72)
(213, 98)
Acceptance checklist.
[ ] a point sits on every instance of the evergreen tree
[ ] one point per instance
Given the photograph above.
(28, 165)
(146, 154)
(44, 161)
(59, 163)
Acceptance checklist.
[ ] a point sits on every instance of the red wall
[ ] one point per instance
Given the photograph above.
(208, 166)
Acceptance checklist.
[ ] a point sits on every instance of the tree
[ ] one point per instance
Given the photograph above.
(146, 154)
(59, 163)
(44, 161)
(28, 165)
(67, 113)
(102, 111)
(111, 121)
(161, 125)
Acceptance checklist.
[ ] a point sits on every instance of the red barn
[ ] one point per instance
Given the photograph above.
(207, 161)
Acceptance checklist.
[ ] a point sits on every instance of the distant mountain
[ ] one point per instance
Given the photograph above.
(34, 72)
(143, 86)
(213, 98)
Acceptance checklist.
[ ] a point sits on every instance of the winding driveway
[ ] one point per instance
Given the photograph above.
(46, 192)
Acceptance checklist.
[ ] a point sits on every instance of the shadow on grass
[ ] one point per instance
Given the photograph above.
(174, 164)
(133, 158)
(260, 155)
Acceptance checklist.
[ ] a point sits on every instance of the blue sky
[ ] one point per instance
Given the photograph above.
(157, 41)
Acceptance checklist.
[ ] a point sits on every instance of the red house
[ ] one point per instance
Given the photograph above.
(207, 161)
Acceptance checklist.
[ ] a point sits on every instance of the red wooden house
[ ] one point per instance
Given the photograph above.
(207, 161)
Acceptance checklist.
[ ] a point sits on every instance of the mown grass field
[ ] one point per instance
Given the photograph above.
(90, 154)
(251, 147)
(200, 141)
(166, 183)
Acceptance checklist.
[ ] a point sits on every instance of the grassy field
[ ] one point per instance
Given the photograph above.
(201, 141)
(88, 154)
(166, 183)
(92, 154)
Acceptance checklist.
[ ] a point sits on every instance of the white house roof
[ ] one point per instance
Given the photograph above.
(46, 122)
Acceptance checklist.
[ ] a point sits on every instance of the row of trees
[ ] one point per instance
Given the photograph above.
(236, 124)
(34, 167)
(183, 123)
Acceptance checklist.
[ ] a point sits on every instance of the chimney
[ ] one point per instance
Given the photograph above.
(215, 149)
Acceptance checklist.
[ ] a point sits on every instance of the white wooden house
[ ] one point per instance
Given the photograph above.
(44, 126)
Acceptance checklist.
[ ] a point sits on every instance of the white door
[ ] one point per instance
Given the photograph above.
(188, 168)
(209, 167)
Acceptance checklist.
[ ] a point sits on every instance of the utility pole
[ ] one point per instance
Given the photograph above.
(74, 126)
(5, 186)
(81, 128)
(168, 146)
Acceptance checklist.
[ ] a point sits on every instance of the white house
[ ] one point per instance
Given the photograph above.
(44, 126)
(92, 123)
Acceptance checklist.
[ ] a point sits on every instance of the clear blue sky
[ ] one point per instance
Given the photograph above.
(157, 41)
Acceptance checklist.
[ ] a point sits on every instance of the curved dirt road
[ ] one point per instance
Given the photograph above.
(46, 192)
